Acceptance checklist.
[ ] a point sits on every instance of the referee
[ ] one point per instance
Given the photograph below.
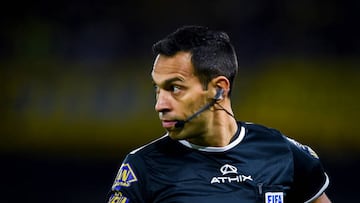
(207, 156)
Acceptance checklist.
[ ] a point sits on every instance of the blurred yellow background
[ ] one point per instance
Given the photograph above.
(72, 110)
(76, 93)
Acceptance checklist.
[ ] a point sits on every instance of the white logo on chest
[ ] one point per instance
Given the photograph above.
(234, 177)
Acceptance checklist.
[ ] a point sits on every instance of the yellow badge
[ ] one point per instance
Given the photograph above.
(125, 176)
(118, 198)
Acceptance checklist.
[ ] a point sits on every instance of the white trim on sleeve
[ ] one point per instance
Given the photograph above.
(326, 184)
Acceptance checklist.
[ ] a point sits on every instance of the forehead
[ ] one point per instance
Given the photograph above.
(177, 66)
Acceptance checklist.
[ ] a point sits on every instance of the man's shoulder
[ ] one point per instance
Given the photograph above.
(152, 146)
(260, 129)
(261, 135)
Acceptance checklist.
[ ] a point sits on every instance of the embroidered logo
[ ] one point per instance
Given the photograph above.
(234, 177)
(305, 148)
(226, 169)
(274, 197)
(125, 176)
(118, 198)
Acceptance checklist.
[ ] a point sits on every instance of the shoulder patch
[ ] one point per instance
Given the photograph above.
(118, 198)
(125, 176)
(312, 152)
(304, 148)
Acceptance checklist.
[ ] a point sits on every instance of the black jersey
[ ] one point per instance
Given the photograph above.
(260, 165)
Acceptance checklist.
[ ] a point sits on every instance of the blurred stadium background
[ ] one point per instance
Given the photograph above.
(76, 94)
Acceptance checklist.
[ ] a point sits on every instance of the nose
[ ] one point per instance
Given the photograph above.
(162, 101)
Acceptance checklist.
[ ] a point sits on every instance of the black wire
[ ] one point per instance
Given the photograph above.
(222, 108)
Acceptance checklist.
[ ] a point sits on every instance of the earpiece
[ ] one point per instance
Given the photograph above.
(219, 94)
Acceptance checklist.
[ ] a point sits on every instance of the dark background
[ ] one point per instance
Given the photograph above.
(76, 94)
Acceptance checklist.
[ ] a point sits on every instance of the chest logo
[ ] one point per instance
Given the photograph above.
(226, 169)
(230, 175)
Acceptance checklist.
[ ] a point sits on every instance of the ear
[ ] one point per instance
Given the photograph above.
(220, 82)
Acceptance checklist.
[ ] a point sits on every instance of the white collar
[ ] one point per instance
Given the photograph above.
(216, 149)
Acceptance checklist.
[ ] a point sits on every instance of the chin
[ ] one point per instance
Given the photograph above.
(176, 135)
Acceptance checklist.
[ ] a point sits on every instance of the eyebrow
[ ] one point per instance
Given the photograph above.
(170, 80)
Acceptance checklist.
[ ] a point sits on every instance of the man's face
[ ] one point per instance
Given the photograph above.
(179, 94)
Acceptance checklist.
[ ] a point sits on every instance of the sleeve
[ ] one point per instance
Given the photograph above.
(310, 179)
(128, 186)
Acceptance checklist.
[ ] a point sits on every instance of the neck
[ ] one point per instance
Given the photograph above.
(221, 128)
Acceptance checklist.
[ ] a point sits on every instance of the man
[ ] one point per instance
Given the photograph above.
(206, 155)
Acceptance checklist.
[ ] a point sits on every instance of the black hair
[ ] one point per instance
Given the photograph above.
(212, 53)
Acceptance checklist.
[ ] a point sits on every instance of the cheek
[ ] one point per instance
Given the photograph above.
(193, 100)
(194, 104)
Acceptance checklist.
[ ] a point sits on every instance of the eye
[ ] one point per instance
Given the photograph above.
(156, 88)
(175, 89)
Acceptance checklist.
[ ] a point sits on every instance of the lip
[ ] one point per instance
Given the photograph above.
(168, 123)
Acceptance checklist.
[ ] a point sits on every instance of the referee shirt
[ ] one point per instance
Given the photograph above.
(259, 165)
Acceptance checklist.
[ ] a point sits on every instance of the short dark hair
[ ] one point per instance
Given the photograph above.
(212, 53)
